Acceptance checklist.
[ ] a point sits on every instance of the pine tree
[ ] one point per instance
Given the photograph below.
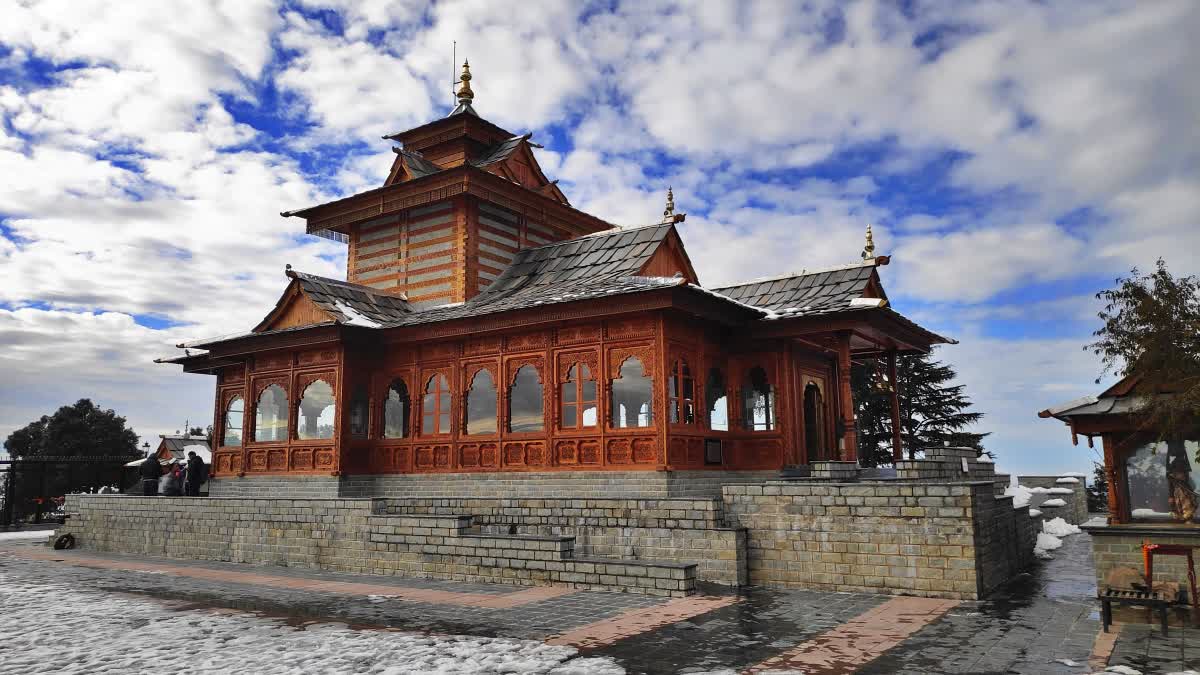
(1097, 492)
(933, 412)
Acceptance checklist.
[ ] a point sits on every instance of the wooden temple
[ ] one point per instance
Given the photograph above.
(485, 324)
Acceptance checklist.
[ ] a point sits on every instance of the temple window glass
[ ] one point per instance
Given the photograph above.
(233, 421)
(682, 391)
(526, 412)
(814, 422)
(716, 400)
(631, 396)
(395, 410)
(359, 407)
(481, 405)
(758, 401)
(579, 398)
(435, 409)
(316, 412)
(271, 415)
(1162, 480)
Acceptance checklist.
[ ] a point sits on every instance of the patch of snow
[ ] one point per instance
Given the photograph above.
(1045, 543)
(1035, 513)
(867, 302)
(1054, 502)
(353, 318)
(1149, 513)
(1120, 670)
(1020, 494)
(985, 459)
(27, 535)
(1073, 474)
(1061, 491)
(1068, 662)
(1059, 527)
(201, 451)
(1067, 479)
(1097, 521)
(54, 616)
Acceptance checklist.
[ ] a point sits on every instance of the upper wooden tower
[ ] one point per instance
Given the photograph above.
(462, 197)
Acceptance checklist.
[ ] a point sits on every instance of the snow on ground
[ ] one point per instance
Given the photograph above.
(1045, 544)
(25, 535)
(53, 628)
(1034, 513)
(1060, 528)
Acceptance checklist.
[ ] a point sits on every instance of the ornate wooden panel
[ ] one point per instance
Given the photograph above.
(233, 375)
(589, 451)
(302, 459)
(483, 345)
(618, 355)
(302, 382)
(316, 356)
(515, 363)
(257, 460)
(645, 450)
(272, 361)
(590, 358)
(695, 451)
(325, 459)
(277, 459)
(535, 454)
(766, 452)
(489, 454)
(223, 462)
(590, 332)
(527, 341)
(434, 351)
(514, 454)
(423, 457)
(641, 327)
(566, 452)
(469, 456)
(619, 451)
(677, 451)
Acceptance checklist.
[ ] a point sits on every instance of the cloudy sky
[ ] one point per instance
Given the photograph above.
(1014, 157)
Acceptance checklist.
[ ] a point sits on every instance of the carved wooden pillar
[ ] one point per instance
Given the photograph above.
(849, 440)
(1116, 514)
(897, 444)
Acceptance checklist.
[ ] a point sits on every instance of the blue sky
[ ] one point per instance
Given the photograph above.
(1013, 158)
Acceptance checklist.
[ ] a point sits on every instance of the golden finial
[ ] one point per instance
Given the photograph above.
(465, 95)
(869, 250)
(669, 212)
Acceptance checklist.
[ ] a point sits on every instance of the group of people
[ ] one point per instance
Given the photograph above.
(177, 481)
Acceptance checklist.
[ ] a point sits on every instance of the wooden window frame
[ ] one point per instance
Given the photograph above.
(579, 404)
(677, 405)
(439, 376)
(472, 371)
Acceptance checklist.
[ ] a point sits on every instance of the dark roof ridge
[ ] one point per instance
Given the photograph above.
(596, 235)
(296, 274)
(804, 273)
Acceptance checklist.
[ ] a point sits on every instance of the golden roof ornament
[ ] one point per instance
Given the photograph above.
(669, 212)
(465, 95)
(869, 250)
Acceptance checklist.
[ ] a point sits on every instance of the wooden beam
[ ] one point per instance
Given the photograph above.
(897, 445)
(849, 440)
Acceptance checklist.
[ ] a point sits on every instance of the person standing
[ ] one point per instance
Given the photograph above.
(195, 475)
(150, 471)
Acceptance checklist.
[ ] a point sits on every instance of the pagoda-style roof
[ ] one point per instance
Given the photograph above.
(818, 292)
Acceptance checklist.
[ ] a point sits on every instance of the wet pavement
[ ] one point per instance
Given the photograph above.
(1046, 621)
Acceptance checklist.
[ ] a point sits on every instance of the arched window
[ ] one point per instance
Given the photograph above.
(758, 401)
(233, 421)
(359, 415)
(578, 398)
(716, 401)
(271, 415)
(631, 396)
(814, 422)
(395, 410)
(525, 410)
(435, 409)
(316, 412)
(682, 391)
(481, 405)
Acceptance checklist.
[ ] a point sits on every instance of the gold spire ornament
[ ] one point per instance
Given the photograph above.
(669, 212)
(465, 95)
(869, 250)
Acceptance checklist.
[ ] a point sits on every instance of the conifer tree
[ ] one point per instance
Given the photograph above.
(933, 411)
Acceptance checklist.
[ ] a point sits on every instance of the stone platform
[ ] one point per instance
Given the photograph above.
(929, 531)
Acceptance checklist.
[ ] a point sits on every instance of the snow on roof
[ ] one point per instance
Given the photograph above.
(353, 317)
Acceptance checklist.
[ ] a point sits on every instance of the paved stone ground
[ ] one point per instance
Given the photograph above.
(1044, 622)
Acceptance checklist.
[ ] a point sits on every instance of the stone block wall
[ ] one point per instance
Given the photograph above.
(352, 535)
(1075, 512)
(677, 530)
(1116, 546)
(1004, 539)
(287, 487)
(575, 484)
(898, 538)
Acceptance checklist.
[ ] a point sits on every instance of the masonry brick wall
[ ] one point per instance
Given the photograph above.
(1075, 512)
(678, 530)
(913, 539)
(1116, 546)
(352, 535)
(290, 487)
(640, 484)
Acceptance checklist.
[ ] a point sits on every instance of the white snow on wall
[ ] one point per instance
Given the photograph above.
(1073, 474)
(1067, 480)
(28, 535)
(1061, 491)
(1060, 528)
(1020, 494)
(1054, 502)
(1149, 513)
(1035, 513)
